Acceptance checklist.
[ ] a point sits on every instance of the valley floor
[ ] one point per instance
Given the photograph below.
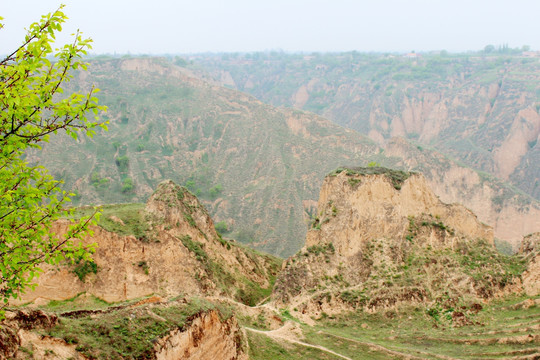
(505, 329)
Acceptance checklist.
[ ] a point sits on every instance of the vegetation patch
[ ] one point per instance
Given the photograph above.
(122, 162)
(190, 220)
(83, 268)
(322, 249)
(354, 298)
(397, 177)
(222, 227)
(122, 219)
(144, 266)
(78, 302)
(195, 247)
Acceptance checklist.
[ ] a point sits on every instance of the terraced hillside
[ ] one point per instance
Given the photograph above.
(506, 329)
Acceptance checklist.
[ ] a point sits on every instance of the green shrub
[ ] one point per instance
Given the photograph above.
(83, 268)
(122, 162)
(144, 266)
(222, 227)
(215, 191)
(195, 247)
(127, 185)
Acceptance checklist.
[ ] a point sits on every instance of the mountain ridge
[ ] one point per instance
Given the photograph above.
(165, 123)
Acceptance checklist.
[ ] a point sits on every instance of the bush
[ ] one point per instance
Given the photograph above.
(222, 227)
(83, 268)
(215, 191)
(127, 185)
(123, 163)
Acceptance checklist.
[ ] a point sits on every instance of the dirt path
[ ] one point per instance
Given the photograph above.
(389, 351)
(280, 334)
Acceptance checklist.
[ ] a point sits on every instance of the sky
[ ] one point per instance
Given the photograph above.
(194, 26)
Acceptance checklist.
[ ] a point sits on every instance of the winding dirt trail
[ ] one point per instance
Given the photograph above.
(283, 333)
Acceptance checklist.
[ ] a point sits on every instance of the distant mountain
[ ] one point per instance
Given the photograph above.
(481, 110)
(257, 168)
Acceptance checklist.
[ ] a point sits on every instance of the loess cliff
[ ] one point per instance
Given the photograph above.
(168, 247)
(381, 237)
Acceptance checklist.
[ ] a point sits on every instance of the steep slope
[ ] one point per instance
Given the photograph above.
(255, 166)
(383, 238)
(167, 248)
(481, 109)
(160, 331)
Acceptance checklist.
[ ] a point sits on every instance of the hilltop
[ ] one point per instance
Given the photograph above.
(165, 248)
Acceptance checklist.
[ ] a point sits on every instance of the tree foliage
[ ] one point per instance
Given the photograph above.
(33, 106)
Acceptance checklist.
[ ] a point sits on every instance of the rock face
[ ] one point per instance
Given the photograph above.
(205, 336)
(530, 248)
(368, 207)
(180, 252)
(382, 237)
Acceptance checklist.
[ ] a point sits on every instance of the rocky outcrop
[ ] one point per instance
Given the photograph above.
(381, 238)
(530, 249)
(370, 207)
(205, 336)
(178, 252)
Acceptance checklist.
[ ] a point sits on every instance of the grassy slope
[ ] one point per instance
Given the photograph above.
(492, 332)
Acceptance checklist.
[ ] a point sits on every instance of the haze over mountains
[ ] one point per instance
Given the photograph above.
(388, 268)
(258, 168)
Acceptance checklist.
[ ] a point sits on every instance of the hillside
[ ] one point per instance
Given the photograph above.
(387, 271)
(165, 248)
(480, 109)
(257, 168)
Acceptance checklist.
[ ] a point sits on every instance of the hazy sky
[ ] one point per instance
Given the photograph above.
(181, 26)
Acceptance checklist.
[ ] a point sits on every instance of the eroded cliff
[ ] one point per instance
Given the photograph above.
(174, 249)
(205, 336)
(382, 237)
